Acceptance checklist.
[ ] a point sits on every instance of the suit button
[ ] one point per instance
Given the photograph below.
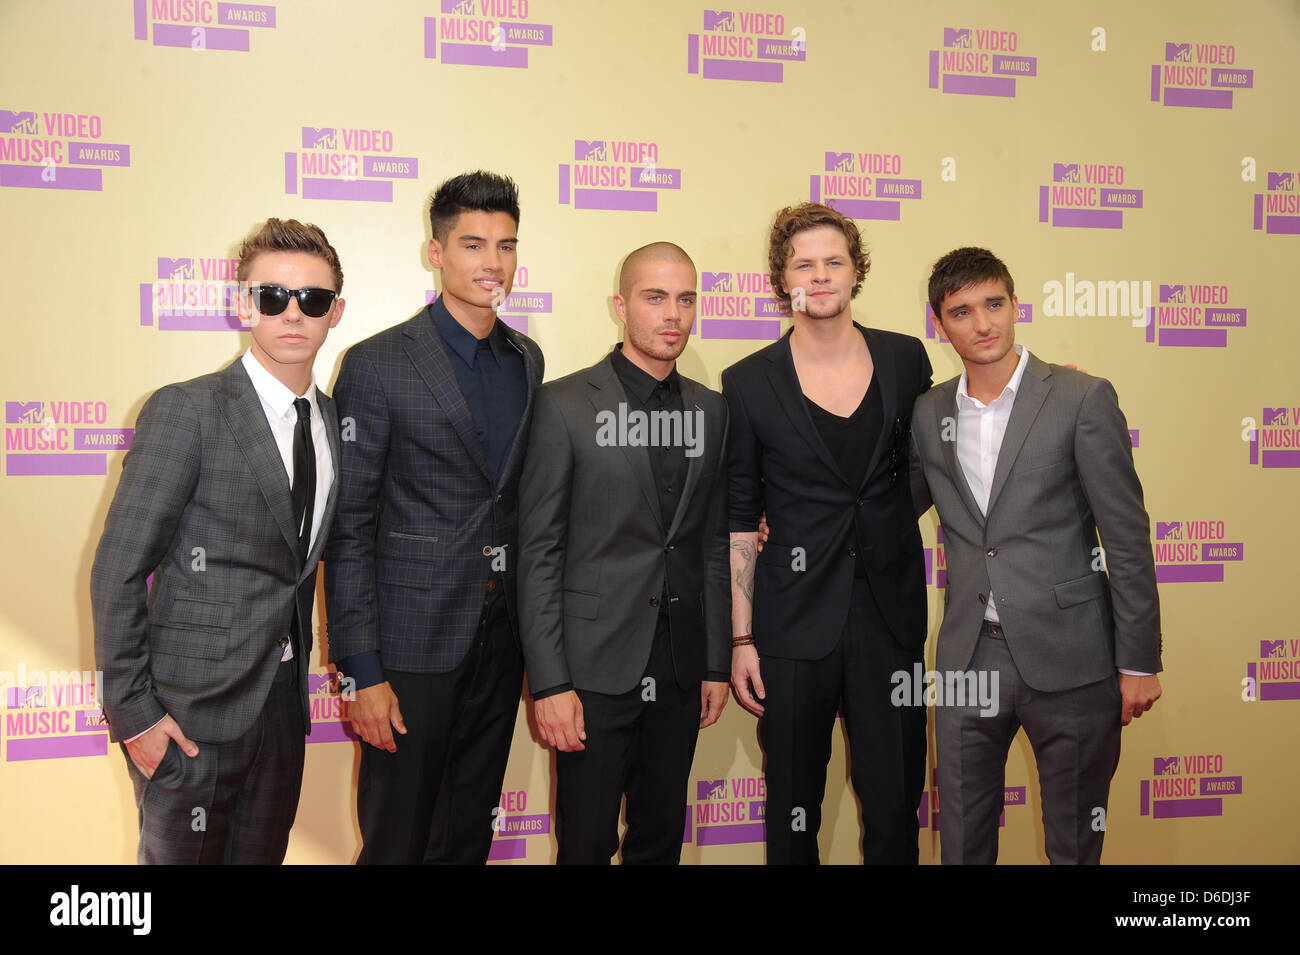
(993, 552)
(983, 599)
(487, 550)
(500, 498)
(853, 552)
(654, 601)
(491, 586)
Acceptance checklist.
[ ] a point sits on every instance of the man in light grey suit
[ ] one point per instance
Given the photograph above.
(226, 499)
(625, 604)
(1026, 462)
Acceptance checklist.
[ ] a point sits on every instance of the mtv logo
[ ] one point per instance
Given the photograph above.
(959, 38)
(589, 150)
(175, 268)
(1169, 530)
(319, 137)
(1065, 172)
(319, 683)
(18, 122)
(839, 162)
(710, 789)
(721, 20)
(1173, 293)
(1281, 180)
(1272, 648)
(717, 282)
(1276, 416)
(1178, 52)
(24, 412)
(1165, 766)
(31, 696)
(460, 8)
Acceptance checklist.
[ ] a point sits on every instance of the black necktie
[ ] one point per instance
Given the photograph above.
(303, 491)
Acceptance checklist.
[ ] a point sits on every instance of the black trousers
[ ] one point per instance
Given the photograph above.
(235, 802)
(432, 801)
(641, 743)
(886, 743)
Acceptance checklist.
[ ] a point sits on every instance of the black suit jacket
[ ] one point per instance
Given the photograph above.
(594, 551)
(779, 464)
(204, 644)
(420, 519)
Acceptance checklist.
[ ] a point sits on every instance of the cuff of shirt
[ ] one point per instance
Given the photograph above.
(551, 691)
(365, 668)
(716, 676)
(138, 735)
(1133, 672)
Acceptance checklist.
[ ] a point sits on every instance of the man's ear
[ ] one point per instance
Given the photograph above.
(620, 306)
(435, 254)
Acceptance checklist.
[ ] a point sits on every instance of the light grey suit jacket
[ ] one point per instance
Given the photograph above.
(203, 505)
(1065, 470)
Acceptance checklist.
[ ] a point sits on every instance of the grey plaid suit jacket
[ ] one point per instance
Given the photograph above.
(204, 506)
(1065, 469)
(420, 517)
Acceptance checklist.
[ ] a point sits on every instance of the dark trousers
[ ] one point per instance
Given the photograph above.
(234, 802)
(641, 743)
(1075, 736)
(886, 742)
(432, 801)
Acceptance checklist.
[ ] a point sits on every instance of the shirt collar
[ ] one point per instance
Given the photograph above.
(278, 396)
(1012, 386)
(639, 382)
(461, 340)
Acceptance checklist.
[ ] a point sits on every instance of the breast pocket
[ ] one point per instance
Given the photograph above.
(194, 628)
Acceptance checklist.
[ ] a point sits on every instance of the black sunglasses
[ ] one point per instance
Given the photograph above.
(272, 300)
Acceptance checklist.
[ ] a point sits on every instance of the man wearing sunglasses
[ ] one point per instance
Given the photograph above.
(226, 499)
(420, 573)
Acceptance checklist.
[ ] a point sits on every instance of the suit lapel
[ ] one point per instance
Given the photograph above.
(945, 413)
(883, 358)
(606, 395)
(532, 378)
(1029, 401)
(785, 384)
(425, 350)
(243, 411)
(695, 464)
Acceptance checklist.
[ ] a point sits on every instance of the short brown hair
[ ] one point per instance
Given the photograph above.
(289, 235)
(962, 268)
(792, 220)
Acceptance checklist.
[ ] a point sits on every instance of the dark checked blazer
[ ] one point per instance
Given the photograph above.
(204, 643)
(407, 566)
(595, 552)
(1064, 470)
(779, 464)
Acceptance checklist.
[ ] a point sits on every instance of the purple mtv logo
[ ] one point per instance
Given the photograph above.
(26, 696)
(18, 122)
(322, 683)
(839, 162)
(1178, 52)
(1173, 293)
(1169, 530)
(1065, 172)
(723, 21)
(1276, 416)
(1272, 648)
(176, 268)
(717, 282)
(319, 137)
(589, 150)
(24, 412)
(1165, 766)
(1281, 180)
(459, 8)
(710, 789)
(959, 38)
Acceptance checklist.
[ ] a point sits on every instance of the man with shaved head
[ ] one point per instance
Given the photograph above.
(623, 573)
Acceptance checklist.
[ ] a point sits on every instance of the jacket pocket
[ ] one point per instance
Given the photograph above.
(580, 603)
(1073, 592)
